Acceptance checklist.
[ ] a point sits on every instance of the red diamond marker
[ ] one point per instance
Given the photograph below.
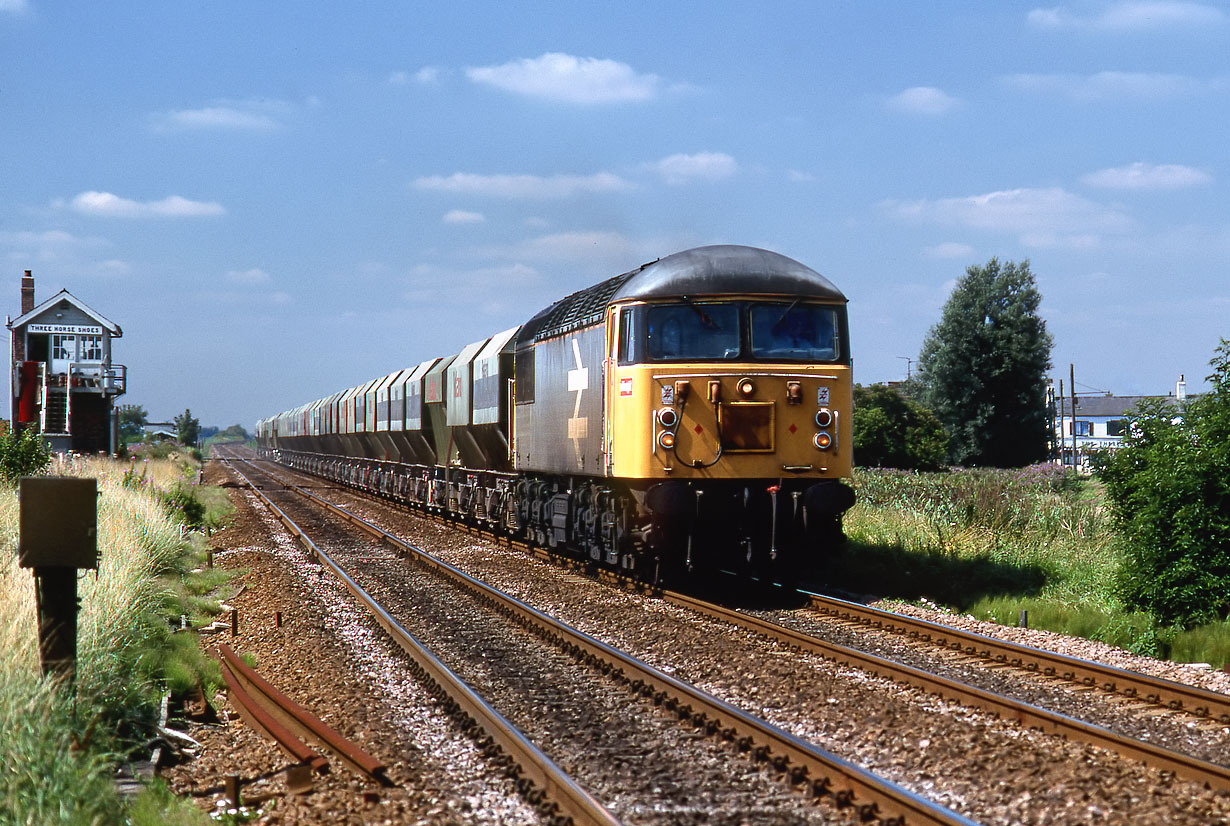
(793, 428)
(699, 430)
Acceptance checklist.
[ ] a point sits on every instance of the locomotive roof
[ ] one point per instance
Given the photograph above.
(713, 270)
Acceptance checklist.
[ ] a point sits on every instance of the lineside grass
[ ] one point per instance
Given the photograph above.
(993, 543)
(59, 753)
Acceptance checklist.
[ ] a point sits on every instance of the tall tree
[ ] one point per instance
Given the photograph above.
(132, 419)
(983, 367)
(187, 428)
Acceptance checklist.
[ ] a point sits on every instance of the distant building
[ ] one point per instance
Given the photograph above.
(1099, 421)
(64, 382)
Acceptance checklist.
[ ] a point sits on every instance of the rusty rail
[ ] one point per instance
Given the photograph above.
(301, 723)
(259, 717)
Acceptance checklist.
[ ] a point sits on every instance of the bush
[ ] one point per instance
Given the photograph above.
(21, 455)
(892, 431)
(1169, 490)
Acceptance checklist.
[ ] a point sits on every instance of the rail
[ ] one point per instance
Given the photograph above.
(1194, 700)
(296, 720)
(804, 762)
(570, 799)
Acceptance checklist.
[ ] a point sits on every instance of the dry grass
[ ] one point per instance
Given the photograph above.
(120, 605)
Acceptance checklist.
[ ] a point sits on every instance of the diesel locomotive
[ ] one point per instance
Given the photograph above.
(693, 413)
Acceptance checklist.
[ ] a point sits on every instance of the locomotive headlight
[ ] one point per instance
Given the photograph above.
(667, 417)
(822, 440)
(746, 387)
(824, 417)
(666, 439)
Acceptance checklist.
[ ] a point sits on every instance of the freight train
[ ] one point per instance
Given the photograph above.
(691, 414)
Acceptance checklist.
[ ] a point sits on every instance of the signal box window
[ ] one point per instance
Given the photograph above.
(91, 348)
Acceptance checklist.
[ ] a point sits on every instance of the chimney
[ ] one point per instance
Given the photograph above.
(1180, 389)
(27, 292)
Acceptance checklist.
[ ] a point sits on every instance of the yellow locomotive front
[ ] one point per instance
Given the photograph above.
(728, 409)
(739, 387)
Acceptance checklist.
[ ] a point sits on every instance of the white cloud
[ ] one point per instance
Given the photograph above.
(799, 176)
(431, 284)
(1130, 16)
(426, 76)
(575, 246)
(1114, 85)
(708, 166)
(1049, 217)
(13, 6)
(107, 205)
(562, 77)
(248, 278)
(233, 116)
(523, 186)
(460, 216)
(949, 250)
(1147, 176)
(923, 100)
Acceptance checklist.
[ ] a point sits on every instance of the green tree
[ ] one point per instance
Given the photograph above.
(983, 368)
(1169, 490)
(187, 428)
(890, 430)
(132, 419)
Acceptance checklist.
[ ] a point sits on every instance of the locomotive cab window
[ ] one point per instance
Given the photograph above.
(692, 331)
(793, 331)
(781, 330)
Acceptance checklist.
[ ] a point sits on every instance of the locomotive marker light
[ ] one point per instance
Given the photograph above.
(58, 535)
(824, 417)
(668, 417)
(823, 441)
(746, 387)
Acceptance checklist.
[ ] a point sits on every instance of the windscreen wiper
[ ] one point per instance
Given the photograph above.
(778, 324)
(704, 317)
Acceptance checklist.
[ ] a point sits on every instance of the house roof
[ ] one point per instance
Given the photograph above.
(65, 295)
(1104, 405)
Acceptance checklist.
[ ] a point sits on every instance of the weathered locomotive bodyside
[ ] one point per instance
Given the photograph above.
(693, 412)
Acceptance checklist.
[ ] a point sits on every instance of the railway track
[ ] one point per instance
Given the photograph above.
(1200, 703)
(1211, 775)
(812, 769)
(1193, 700)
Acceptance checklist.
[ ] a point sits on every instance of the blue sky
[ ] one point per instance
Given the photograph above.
(278, 201)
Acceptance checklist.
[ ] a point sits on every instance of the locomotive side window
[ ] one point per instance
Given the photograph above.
(523, 375)
(692, 331)
(793, 331)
